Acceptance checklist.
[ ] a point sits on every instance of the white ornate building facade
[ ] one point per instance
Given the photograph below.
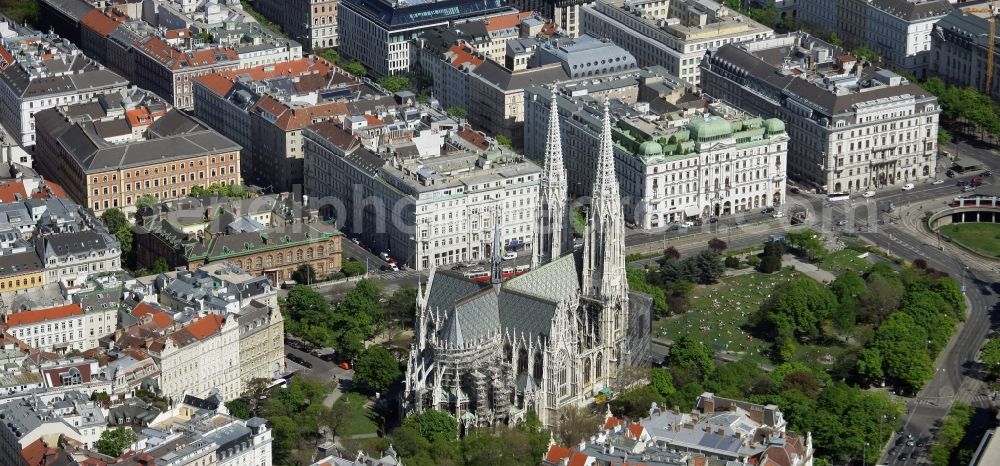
(549, 339)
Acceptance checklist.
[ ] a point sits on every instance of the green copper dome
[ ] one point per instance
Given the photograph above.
(774, 125)
(650, 148)
(709, 128)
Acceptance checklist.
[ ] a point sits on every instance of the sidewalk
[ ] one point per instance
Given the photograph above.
(808, 270)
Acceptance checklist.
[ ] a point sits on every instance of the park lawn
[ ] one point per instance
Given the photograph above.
(981, 237)
(719, 313)
(361, 418)
(844, 260)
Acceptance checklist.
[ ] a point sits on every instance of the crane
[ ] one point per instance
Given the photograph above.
(990, 41)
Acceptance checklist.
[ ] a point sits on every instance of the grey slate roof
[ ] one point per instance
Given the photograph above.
(14, 264)
(472, 318)
(557, 280)
(81, 242)
(506, 80)
(910, 10)
(74, 9)
(178, 136)
(448, 288)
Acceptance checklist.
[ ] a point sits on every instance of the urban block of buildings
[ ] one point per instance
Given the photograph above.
(265, 109)
(672, 34)
(897, 31)
(111, 151)
(313, 23)
(853, 127)
(271, 235)
(471, 70)
(959, 46)
(42, 71)
(678, 155)
(426, 211)
(379, 33)
(717, 431)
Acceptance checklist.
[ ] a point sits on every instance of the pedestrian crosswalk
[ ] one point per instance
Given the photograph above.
(397, 275)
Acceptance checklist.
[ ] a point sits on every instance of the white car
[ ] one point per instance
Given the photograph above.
(907, 186)
(779, 214)
(687, 224)
(938, 182)
(868, 193)
(509, 256)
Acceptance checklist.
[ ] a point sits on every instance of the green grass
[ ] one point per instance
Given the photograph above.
(844, 260)
(361, 418)
(719, 312)
(981, 237)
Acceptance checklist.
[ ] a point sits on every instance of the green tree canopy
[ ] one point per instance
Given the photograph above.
(798, 308)
(114, 219)
(394, 83)
(433, 424)
(353, 268)
(902, 343)
(114, 442)
(239, 408)
(691, 353)
(377, 368)
(807, 244)
(771, 259)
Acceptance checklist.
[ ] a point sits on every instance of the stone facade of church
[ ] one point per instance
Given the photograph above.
(544, 341)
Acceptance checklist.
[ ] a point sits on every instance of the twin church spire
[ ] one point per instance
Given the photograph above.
(604, 239)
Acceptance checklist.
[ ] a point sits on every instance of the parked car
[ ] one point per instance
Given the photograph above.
(967, 189)
(509, 256)
(767, 210)
(907, 186)
(976, 181)
(384, 255)
(868, 193)
(987, 173)
(962, 183)
(355, 241)
(687, 224)
(779, 214)
(345, 366)
(674, 227)
(938, 182)
(713, 220)
(950, 173)
(393, 267)
(384, 268)
(841, 223)
(306, 364)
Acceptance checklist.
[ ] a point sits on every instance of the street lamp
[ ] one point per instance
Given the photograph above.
(864, 459)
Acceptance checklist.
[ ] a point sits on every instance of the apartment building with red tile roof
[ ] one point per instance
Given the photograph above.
(169, 72)
(265, 109)
(60, 328)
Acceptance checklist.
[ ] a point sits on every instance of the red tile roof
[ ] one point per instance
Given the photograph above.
(497, 23)
(300, 67)
(52, 375)
(611, 422)
(174, 59)
(41, 315)
(177, 33)
(636, 430)
(6, 59)
(216, 83)
(98, 22)
(373, 120)
(557, 453)
(158, 317)
(462, 54)
(39, 454)
(14, 191)
(475, 137)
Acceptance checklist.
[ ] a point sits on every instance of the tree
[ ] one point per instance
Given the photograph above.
(882, 298)
(707, 267)
(798, 308)
(637, 281)
(990, 356)
(717, 245)
(144, 201)
(305, 274)
(690, 353)
(771, 259)
(114, 442)
(457, 112)
(953, 430)
(866, 53)
(869, 365)
(662, 382)
(101, 397)
(835, 40)
(902, 343)
(635, 402)
(394, 83)
(353, 268)
(306, 304)
(671, 253)
(256, 392)
(807, 244)
(504, 141)
(732, 262)
(160, 266)
(944, 136)
(377, 368)
(354, 67)
(239, 408)
(114, 219)
(402, 306)
(767, 16)
(433, 425)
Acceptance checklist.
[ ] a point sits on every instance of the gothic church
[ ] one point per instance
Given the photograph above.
(552, 338)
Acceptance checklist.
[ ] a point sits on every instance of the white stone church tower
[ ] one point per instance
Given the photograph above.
(552, 338)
